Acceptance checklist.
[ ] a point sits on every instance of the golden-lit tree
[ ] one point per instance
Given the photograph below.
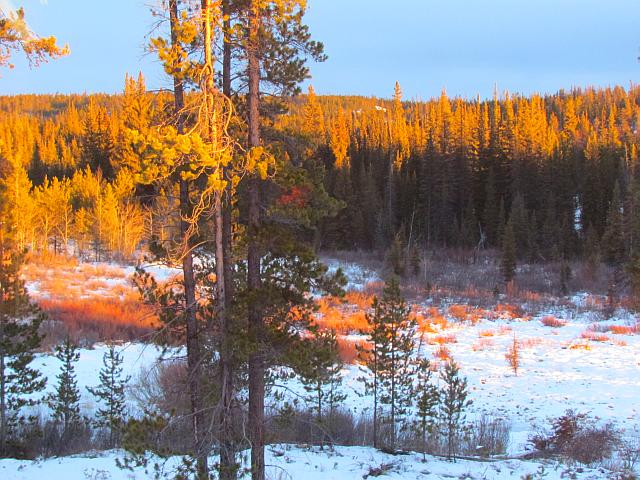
(16, 35)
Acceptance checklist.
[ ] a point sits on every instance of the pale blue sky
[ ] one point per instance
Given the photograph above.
(466, 46)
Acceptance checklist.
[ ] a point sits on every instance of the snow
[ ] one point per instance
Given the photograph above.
(357, 276)
(288, 462)
(137, 357)
(559, 370)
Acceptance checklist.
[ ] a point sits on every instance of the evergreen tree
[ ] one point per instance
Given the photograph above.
(613, 236)
(19, 339)
(452, 405)
(396, 256)
(427, 401)
(111, 393)
(389, 358)
(65, 402)
(321, 377)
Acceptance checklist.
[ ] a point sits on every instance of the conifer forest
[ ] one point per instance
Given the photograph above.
(225, 269)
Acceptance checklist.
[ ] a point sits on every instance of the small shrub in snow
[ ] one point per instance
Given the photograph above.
(577, 437)
(551, 321)
(513, 355)
(486, 436)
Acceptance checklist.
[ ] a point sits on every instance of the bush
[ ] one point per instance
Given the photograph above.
(577, 437)
(487, 436)
(551, 321)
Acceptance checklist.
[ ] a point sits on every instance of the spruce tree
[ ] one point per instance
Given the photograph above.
(321, 377)
(613, 237)
(452, 406)
(427, 401)
(65, 402)
(19, 339)
(392, 332)
(111, 393)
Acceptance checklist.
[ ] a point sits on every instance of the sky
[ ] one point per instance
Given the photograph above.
(468, 47)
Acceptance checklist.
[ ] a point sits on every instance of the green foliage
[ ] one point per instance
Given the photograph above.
(427, 402)
(19, 340)
(321, 375)
(452, 405)
(111, 393)
(65, 402)
(389, 359)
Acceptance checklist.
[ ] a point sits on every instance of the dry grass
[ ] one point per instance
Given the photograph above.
(595, 336)
(551, 321)
(482, 344)
(348, 349)
(99, 319)
(443, 339)
(507, 311)
(623, 329)
(442, 353)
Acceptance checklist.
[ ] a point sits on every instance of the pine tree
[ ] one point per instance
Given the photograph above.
(321, 376)
(65, 402)
(427, 401)
(389, 358)
(19, 339)
(111, 392)
(453, 404)
(613, 236)
(396, 256)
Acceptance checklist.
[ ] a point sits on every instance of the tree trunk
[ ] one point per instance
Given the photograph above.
(255, 327)
(228, 470)
(194, 357)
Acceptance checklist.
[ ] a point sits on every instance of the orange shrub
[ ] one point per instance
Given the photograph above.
(580, 346)
(431, 321)
(458, 312)
(361, 300)
(341, 321)
(101, 319)
(551, 321)
(507, 311)
(442, 353)
(347, 349)
(594, 336)
(623, 329)
(486, 333)
(443, 339)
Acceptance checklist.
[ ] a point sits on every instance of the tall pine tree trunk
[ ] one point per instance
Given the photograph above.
(228, 470)
(225, 433)
(194, 357)
(256, 360)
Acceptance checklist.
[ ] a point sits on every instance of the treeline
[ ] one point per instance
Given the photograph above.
(447, 172)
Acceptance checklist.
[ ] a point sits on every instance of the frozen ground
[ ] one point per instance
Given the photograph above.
(573, 366)
(286, 462)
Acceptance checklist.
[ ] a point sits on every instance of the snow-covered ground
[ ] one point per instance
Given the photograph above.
(287, 462)
(572, 366)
